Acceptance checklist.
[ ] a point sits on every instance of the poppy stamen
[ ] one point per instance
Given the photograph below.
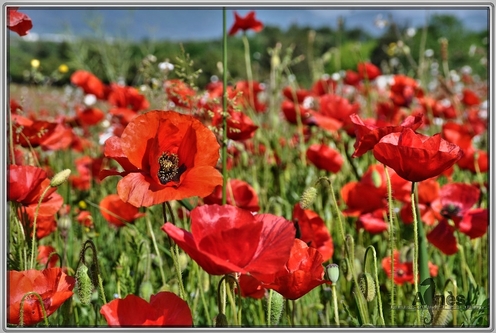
(169, 168)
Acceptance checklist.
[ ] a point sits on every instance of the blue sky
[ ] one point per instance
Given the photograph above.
(206, 23)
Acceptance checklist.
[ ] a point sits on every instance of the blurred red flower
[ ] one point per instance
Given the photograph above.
(53, 285)
(85, 219)
(368, 135)
(373, 222)
(313, 231)
(239, 193)
(88, 116)
(368, 71)
(227, 239)
(164, 309)
(118, 212)
(239, 126)
(251, 287)
(428, 195)
(403, 270)
(325, 157)
(302, 272)
(44, 252)
(126, 97)
(25, 186)
(403, 90)
(18, 22)
(165, 156)
(82, 181)
(89, 83)
(290, 111)
(334, 112)
(180, 93)
(470, 98)
(31, 133)
(416, 157)
(249, 22)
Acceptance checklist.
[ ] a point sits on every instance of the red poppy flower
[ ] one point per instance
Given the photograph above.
(61, 138)
(325, 85)
(474, 160)
(89, 83)
(239, 193)
(26, 184)
(118, 212)
(325, 157)
(302, 273)
(85, 219)
(53, 285)
(291, 110)
(443, 237)
(373, 222)
(368, 71)
(126, 97)
(249, 22)
(239, 126)
(428, 195)
(31, 133)
(226, 239)
(416, 157)
(251, 287)
(82, 181)
(18, 22)
(180, 93)
(44, 252)
(164, 309)
(470, 98)
(334, 113)
(352, 78)
(403, 90)
(89, 116)
(474, 223)
(403, 271)
(166, 156)
(456, 199)
(367, 136)
(297, 96)
(247, 94)
(313, 231)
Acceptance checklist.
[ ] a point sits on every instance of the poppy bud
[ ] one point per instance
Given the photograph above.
(60, 178)
(84, 286)
(367, 286)
(346, 269)
(308, 197)
(146, 290)
(332, 271)
(221, 320)
(276, 306)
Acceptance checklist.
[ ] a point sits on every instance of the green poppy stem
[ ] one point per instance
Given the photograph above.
(224, 107)
(335, 302)
(249, 74)
(33, 242)
(21, 312)
(391, 243)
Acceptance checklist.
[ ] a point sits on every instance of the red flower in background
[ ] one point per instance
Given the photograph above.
(166, 156)
(83, 180)
(368, 71)
(416, 157)
(302, 273)
(89, 116)
(403, 270)
(325, 157)
(53, 285)
(44, 252)
(367, 136)
(25, 186)
(239, 126)
(18, 22)
(226, 239)
(164, 309)
(89, 83)
(334, 113)
(373, 222)
(127, 97)
(470, 98)
(428, 195)
(313, 231)
(291, 110)
(31, 133)
(249, 22)
(251, 287)
(180, 93)
(403, 90)
(118, 212)
(239, 193)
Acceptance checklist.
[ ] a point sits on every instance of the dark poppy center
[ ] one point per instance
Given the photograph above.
(168, 168)
(450, 211)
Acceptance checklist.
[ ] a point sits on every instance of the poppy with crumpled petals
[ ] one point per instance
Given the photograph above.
(18, 22)
(227, 239)
(166, 156)
(53, 285)
(90, 83)
(416, 157)
(325, 157)
(118, 212)
(164, 309)
(302, 273)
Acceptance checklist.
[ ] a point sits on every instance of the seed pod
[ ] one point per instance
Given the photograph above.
(84, 287)
(60, 178)
(332, 271)
(367, 286)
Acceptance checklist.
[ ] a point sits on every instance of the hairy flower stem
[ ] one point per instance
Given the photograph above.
(33, 241)
(224, 107)
(391, 243)
(420, 261)
(21, 311)
(335, 301)
(361, 303)
(371, 249)
(174, 252)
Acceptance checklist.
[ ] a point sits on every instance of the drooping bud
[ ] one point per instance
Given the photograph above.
(60, 178)
(84, 287)
(308, 197)
(367, 286)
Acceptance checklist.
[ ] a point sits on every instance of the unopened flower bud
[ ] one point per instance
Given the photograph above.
(84, 286)
(367, 286)
(308, 197)
(60, 178)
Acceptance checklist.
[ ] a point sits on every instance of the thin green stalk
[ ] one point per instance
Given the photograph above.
(335, 301)
(391, 243)
(249, 74)
(175, 255)
(21, 312)
(202, 297)
(155, 246)
(224, 106)
(415, 254)
(33, 242)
